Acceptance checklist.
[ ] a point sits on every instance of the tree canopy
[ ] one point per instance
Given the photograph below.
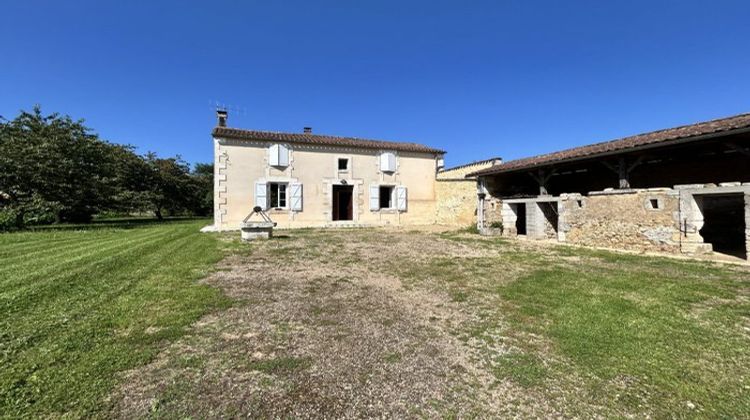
(55, 169)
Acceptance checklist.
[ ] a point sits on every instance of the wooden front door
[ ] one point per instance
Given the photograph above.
(342, 202)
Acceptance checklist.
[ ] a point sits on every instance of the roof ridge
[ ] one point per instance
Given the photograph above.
(615, 140)
(329, 139)
(679, 132)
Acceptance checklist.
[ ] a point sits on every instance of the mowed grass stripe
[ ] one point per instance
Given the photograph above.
(42, 302)
(74, 250)
(84, 298)
(38, 296)
(55, 263)
(96, 325)
(42, 249)
(15, 250)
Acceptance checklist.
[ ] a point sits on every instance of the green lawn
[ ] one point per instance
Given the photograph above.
(558, 331)
(630, 335)
(79, 306)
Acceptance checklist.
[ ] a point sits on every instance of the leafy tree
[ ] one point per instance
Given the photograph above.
(203, 177)
(53, 169)
(170, 186)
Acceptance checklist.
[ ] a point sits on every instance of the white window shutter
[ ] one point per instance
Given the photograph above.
(401, 198)
(374, 198)
(387, 162)
(283, 156)
(295, 194)
(261, 195)
(273, 155)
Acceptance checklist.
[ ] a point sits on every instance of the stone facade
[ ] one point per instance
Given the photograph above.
(456, 195)
(626, 220)
(240, 166)
(456, 202)
(656, 219)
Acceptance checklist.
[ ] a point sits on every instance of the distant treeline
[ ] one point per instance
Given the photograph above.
(54, 169)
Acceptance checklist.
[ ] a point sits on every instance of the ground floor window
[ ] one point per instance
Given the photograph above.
(386, 197)
(277, 195)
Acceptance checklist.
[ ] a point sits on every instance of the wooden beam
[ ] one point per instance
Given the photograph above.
(622, 172)
(623, 169)
(635, 164)
(736, 147)
(542, 178)
(609, 166)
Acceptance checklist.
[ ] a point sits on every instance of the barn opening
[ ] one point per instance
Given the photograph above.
(342, 202)
(724, 223)
(520, 211)
(551, 217)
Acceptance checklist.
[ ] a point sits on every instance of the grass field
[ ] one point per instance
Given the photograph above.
(112, 322)
(77, 306)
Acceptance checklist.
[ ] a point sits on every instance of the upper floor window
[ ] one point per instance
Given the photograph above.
(388, 162)
(343, 164)
(278, 155)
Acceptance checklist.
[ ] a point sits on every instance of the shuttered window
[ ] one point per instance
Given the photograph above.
(388, 162)
(374, 198)
(384, 197)
(278, 155)
(401, 198)
(261, 195)
(295, 196)
(277, 195)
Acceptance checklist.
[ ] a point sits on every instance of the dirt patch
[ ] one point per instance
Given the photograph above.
(322, 329)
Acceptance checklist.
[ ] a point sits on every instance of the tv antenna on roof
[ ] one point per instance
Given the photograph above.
(215, 105)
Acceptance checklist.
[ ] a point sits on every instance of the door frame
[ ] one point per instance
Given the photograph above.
(334, 202)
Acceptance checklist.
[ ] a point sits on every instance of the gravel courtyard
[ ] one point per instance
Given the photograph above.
(372, 323)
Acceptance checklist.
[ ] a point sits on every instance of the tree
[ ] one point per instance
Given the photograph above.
(52, 167)
(203, 176)
(170, 186)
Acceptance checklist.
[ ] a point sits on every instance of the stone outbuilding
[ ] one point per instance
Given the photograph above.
(680, 190)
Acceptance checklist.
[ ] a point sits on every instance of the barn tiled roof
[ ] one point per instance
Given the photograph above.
(671, 135)
(323, 140)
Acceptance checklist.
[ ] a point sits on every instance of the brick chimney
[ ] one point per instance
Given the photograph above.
(221, 117)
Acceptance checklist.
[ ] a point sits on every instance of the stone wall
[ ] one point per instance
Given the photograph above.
(456, 202)
(456, 195)
(655, 219)
(644, 220)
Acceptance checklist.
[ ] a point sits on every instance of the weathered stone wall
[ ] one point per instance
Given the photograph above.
(655, 219)
(550, 219)
(625, 220)
(456, 202)
(456, 195)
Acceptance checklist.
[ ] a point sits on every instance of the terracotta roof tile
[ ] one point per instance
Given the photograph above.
(670, 135)
(323, 140)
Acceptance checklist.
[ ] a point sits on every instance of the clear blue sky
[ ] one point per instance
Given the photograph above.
(477, 78)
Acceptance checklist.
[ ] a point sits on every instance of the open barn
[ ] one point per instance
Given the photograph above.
(682, 190)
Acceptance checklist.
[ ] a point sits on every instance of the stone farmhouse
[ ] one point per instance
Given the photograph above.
(680, 190)
(305, 179)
